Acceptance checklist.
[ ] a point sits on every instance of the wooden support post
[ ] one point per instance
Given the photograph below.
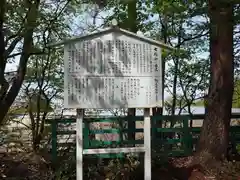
(158, 123)
(146, 149)
(79, 142)
(147, 144)
(131, 124)
(186, 137)
(54, 141)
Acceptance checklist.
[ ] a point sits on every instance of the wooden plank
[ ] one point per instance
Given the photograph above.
(110, 156)
(169, 118)
(115, 118)
(79, 140)
(102, 131)
(67, 132)
(96, 143)
(136, 118)
(235, 128)
(195, 129)
(114, 150)
(166, 130)
(147, 145)
(114, 130)
(63, 120)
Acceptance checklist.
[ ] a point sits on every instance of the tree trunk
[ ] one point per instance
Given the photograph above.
(215, 130)
(7, 97)
(3, 82)
(133, 27)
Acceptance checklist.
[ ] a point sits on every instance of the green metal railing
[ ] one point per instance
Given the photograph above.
(160, 136)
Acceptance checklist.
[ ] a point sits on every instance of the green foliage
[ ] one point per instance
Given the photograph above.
(130, 15)
(181, 25)
(44, 78)
(186, 75)
(28, 26)
(43, 83)
(235, 100)
(238, 148)
(236, 93)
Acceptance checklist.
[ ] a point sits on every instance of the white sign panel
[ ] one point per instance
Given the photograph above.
(112, 71)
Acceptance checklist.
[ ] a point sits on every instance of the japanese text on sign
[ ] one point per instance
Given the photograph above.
(107, 73)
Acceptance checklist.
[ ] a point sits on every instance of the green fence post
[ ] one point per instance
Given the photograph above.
(186, 137)
(131, 124)
(54, 141)
(154, 130)
(86, 139)
(190, 136)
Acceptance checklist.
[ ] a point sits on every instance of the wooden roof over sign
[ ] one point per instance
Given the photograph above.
(112, 29)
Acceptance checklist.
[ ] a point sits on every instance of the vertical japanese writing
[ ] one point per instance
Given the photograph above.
(69, 58)
(138, 87)
(122, 91)
(129, 55)
(144, 57)
(109, 51)
(128, 88)
(73, 60)
(113, 91)
(79, 93)
(132, 88)
(138, 59)
(99, 91)
(135, 88)
(156, 88)
(123, 57)
(156, 59)
(135, 63)
(125, 91)
(105, 92)
(79, 59)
